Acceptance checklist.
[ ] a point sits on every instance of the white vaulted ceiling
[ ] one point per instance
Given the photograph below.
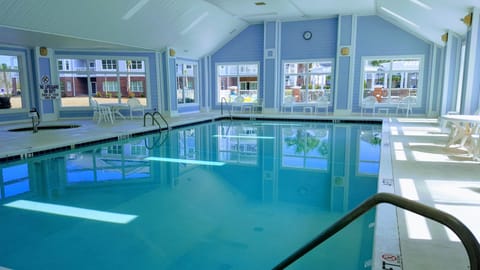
(198, 27)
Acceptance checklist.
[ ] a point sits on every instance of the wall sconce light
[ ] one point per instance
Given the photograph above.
(43, 51)
(171, 52)
(467, 19)
(445, 37)
(345, 51)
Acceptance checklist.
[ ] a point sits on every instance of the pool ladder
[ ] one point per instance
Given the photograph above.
(224, 100)
(154, 120)
(466, 236)
(160, 140)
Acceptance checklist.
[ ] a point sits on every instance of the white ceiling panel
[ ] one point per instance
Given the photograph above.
(197, 27)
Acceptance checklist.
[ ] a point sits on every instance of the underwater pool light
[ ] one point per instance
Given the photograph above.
(72, 211)
(244, 137)
(186, 161)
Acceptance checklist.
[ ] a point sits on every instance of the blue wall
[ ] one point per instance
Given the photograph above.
(377, 37)
(323, 43)
(245, 47)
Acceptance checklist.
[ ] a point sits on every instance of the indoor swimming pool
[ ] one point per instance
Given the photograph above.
(217, 195)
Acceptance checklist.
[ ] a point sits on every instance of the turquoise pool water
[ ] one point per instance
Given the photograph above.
(221, 195)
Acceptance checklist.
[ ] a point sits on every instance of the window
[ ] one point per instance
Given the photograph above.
(136, 86)
(235, 80)
(12, 81)
(307, 81)
(109, 64)
(110, 86)
(63, 65)
(390, 80)
(134, 64)
(107, 80)
(186, 82)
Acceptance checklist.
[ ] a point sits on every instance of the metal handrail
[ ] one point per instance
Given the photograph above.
(221, 107)
(154, 120)
(221, 104)
(161, 116)
(466, 236)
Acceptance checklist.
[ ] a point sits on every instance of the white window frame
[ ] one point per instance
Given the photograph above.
(196, 82)
(23, 78)
(327, 92)
(109, 65)
(94, 67)
(418, 90)
(218, 95)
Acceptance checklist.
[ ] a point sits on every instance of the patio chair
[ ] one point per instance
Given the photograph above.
(368, 103)
(238, 103)
(101, 113)
(406, 104)
(288, 103)
(135, 106)
(258, 105)
(322, 103)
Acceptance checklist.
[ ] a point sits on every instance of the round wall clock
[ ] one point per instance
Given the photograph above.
(307, 35)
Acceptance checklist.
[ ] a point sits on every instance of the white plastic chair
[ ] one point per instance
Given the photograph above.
(322, 103)
(406, 104)
(288, 103)
(258, 105)
(368, 103)
(101, 113)
(135, 106)
(238, 103)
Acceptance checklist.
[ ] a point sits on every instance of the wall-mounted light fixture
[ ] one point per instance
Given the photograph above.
(467, 19)
(345, 51)
(445, 37)
(171, 52)
(43, 51)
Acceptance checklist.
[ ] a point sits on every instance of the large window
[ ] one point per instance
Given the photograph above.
(11, 81)
(107, 80)
(186, 82)
(390, 80)
(237, 80)
(307, 81)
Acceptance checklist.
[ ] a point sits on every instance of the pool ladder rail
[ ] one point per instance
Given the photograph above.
(466, 236)
(154, 120)
(224, 100)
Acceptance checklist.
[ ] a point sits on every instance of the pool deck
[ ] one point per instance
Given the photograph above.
(415, 164)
